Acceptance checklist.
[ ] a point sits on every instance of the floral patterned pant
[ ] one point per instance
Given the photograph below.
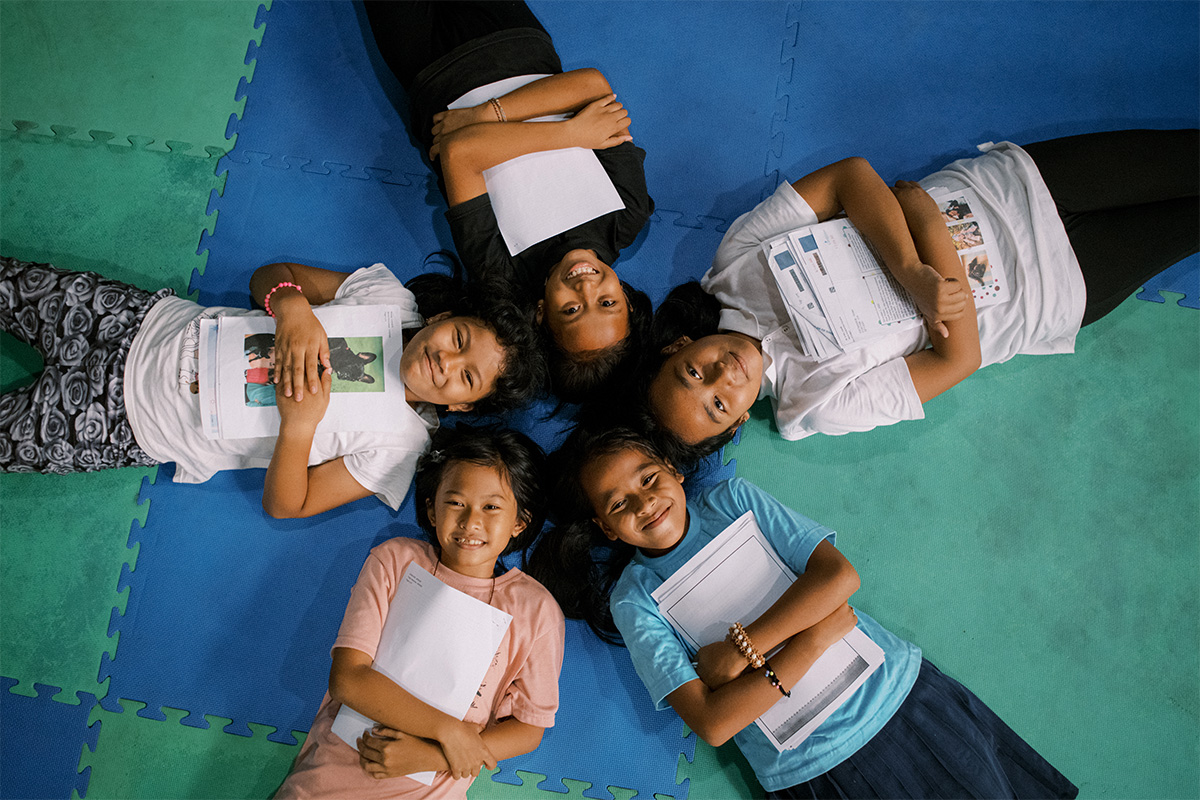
(72, 417)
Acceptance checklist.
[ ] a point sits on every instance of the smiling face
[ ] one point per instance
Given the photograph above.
(637, 499)
(706, 387)
(452, 361)
(475, 516)
(584, 305)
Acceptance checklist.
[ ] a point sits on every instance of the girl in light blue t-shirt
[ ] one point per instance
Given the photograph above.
(909, 731)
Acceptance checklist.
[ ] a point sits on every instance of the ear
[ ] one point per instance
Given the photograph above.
(674, 472)
(540, 312)
(429, 511)
(464, 407)
(608, 532)
(438, 317)
(677, 345)
(522, 523)
(741, 421)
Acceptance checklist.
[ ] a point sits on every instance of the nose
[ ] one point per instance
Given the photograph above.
(471, 520)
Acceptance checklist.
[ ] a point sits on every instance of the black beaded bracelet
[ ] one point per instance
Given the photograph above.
(774, 679)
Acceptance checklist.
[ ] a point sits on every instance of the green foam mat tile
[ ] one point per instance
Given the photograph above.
(719, 773)
(165, 70)
(128, 213)
(1036, 536)
(140, 757)
(64, 543)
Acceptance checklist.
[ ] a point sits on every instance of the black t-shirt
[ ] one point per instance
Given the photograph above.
(485, 255)
(504, 54)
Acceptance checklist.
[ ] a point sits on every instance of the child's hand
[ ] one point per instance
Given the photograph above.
(300, 345)
(719, 663)
(464, 750)
(601, 124)
(938, 299)
(833, 627)
(450, 120)
(389, 753)
(309, 412)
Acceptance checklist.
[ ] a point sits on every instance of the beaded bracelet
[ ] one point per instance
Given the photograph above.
(741, 640)
(275, 288)
(770, 675)
(498, 109)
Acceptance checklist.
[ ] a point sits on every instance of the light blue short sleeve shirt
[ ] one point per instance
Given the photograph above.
(664, 663)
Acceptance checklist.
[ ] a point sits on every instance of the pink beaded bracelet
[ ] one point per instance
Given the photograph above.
(275, 288)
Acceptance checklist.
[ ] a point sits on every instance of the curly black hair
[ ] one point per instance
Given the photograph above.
(522, 375)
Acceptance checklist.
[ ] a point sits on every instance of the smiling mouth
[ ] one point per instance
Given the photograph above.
(658, 519)
(468, 543)
(579, 270)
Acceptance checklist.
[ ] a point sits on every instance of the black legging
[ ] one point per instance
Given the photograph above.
(411, 35)
(1128, 200)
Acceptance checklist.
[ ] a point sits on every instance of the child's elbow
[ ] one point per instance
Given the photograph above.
(713, 734)
(277, 510)
(597, 83)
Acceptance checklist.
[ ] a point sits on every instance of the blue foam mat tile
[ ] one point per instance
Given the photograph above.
(699, 82)
(1183, 278)
(1001, 71)
(41, 741)
(599, 694)
(321, 91)
(268, 214)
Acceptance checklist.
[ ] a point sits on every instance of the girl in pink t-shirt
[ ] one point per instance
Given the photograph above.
(478, 495)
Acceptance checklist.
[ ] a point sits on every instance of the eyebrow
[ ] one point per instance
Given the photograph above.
(687, 384)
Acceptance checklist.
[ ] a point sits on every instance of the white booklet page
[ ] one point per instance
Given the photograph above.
(437, 644)
(237, 370)
(735, 578)
(539, 195)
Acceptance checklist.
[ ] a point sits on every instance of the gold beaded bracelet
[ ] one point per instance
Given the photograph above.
(741, 640)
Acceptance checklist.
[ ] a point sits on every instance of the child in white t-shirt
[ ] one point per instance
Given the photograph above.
(119, 387)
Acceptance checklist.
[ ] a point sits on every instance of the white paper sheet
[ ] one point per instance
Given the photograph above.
(437, 644)
(539, 195)
(228, 412)
(735, 578)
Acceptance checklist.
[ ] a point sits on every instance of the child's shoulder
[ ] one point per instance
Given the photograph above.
(534, 597)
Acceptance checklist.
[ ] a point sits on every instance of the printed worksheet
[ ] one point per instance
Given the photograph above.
(735, 578)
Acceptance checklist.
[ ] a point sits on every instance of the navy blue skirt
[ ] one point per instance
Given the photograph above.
(942, 742)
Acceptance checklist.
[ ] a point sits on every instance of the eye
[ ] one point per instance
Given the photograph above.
(648, 478)
(491, 507)
(569, 310)
(458, 338)
(617, 506)
(469, 379)
(608, 303)
(692, 371)
(719, 405)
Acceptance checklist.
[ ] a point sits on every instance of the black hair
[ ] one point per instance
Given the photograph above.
(515, 455)
(522, 376)
(574, 560)
(575, 377)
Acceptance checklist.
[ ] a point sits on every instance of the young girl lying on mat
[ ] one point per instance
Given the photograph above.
(120, 383)
(479, 495)
(1081, 223)
(908, 731)
(496, 61)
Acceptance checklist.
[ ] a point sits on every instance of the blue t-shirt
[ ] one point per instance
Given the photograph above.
(664, 663)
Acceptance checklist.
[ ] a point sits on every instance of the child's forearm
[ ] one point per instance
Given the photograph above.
(285, 489)
(827, 582)
(467, 152)
(717, 714)
(555, 94)
(354, 682)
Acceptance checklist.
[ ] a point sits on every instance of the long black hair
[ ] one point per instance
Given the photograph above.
(522, 376)
(574, 559)
(517, 457)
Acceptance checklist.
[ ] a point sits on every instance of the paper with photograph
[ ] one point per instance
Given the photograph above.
(735, 578)
(237, 372)
(437, 644)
